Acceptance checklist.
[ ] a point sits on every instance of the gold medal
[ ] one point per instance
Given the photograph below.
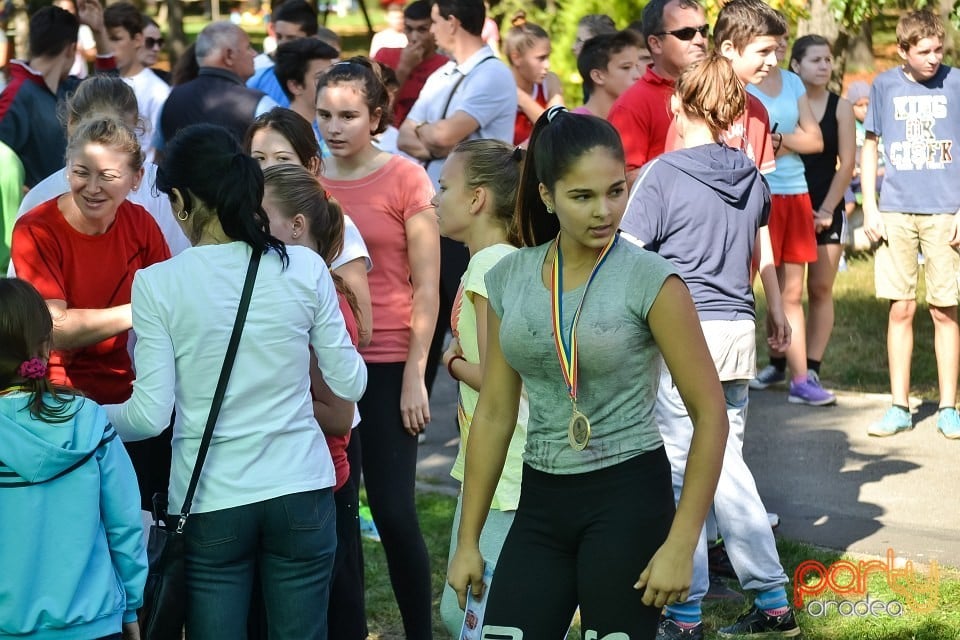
(578, 432)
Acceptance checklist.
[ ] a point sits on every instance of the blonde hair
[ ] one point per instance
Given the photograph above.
(494, 164)
(710, 91)
(522, 36)
(109, 132)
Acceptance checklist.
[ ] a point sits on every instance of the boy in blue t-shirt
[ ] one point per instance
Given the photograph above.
(910, 108)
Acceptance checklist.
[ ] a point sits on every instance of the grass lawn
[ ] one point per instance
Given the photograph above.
(942, 623)
(856, 358)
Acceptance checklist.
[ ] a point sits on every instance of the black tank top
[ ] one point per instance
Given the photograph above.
(821, 167)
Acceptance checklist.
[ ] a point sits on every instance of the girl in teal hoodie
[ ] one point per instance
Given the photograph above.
(71, 537)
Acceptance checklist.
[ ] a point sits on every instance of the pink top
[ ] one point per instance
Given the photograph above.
(380, 204)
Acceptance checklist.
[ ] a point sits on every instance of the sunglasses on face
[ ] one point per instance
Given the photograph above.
(150, 43)
(687, 33)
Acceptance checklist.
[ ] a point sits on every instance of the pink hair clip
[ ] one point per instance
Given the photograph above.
(33, 369)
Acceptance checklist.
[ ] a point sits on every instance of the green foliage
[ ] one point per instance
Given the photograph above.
(559, 19)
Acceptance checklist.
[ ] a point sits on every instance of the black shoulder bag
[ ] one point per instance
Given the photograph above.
(164, 597)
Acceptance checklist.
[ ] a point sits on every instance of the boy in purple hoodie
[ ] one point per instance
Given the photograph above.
(703, 207)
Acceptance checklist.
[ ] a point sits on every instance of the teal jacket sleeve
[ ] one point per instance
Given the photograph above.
(120, 510)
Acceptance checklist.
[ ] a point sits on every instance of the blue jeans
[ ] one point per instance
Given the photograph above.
(741, 516)
(292, 539)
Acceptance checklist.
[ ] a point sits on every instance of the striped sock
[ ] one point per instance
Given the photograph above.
(686, 614)
(773, 601)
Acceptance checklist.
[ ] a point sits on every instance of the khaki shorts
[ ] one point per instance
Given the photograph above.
(896, 268)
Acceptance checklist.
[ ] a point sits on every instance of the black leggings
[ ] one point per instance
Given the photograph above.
(346, 619)
(389, 456)
(582, 539)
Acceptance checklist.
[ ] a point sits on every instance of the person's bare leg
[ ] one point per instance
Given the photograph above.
(900, 348)
(820, 277)
(946, 342)
(791, 291)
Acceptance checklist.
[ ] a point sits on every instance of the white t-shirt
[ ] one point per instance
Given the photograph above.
(266, 443)
(151, 93)
(353, 246)
(157, 205)
(481, 95)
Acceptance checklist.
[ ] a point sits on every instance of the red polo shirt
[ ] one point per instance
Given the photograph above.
(410, 90)
(642, 117)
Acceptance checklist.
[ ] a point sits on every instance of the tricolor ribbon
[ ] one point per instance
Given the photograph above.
(567, 347)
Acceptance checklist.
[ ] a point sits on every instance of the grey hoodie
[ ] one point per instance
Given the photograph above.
(700, 208)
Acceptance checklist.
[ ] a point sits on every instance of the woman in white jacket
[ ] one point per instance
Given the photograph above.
(265, 497)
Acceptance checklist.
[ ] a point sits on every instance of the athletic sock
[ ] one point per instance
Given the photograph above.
(773, 602)
(813, 365)
(780, 364)
(686, 614)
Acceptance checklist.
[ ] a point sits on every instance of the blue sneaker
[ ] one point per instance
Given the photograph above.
(893, 422)
(948, 423)
(767, 377)
(810, 392)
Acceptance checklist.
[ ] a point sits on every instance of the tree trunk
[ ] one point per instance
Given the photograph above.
(821, 22)
(176, 36)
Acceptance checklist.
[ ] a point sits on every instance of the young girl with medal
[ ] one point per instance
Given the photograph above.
(582, 322)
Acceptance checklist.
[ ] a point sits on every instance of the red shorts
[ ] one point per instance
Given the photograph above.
(791, 229)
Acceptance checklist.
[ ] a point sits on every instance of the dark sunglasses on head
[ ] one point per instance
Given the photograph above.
(687, 33)
(153, 42)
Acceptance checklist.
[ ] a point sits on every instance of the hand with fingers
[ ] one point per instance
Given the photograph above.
(666, 579)
(465, 573)
(414, 404)
(90, 13)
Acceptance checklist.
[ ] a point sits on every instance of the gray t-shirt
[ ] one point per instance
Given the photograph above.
(919, 126)
(619, 361)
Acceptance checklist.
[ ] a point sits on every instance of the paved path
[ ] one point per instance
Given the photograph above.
(831, 484)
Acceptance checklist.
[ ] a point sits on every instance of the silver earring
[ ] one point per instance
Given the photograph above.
(183, 215)
(549, 209)
(295, 235)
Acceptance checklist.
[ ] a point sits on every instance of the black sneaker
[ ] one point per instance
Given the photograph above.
(668, 629)
(720, 590)
(719, 562)
(757, 624)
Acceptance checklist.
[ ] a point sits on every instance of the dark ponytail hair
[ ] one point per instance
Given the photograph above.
(26, 331)
(558, 140)
(205, 161)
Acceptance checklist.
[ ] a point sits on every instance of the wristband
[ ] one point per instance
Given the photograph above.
(450, 366)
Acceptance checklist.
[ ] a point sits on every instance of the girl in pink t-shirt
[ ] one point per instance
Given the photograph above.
(389, 199)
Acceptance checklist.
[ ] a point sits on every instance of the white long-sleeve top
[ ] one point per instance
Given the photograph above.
(266, 442)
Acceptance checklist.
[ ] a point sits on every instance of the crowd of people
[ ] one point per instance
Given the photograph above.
(364, 208)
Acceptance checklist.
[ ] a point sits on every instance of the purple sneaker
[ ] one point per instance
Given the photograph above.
(810, 392)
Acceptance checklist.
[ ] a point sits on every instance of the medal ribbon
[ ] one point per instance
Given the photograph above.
(567, 347)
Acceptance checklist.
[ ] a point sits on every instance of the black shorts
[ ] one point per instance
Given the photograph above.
(833, 233)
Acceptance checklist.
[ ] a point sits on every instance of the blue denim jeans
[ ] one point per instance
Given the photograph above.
(291, 539)
(741, 516)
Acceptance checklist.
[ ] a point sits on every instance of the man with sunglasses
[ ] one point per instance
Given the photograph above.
(124, 24)
(675, 32)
